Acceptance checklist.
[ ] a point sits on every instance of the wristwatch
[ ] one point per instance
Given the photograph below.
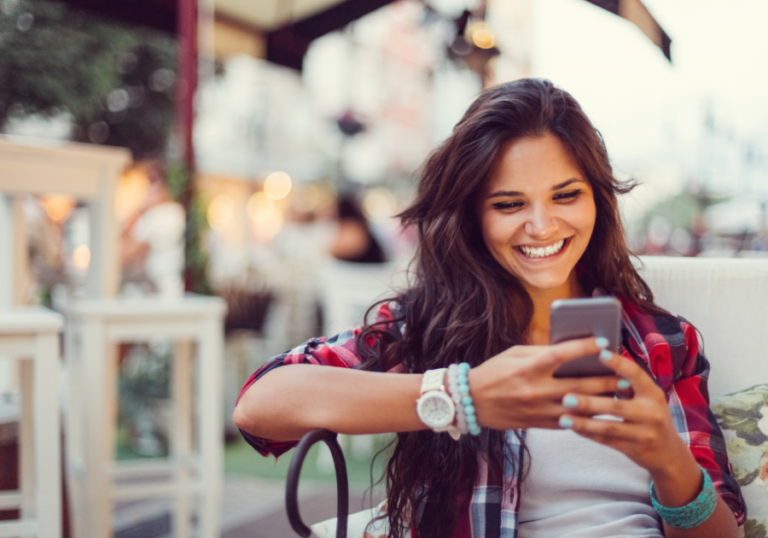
(435, 407)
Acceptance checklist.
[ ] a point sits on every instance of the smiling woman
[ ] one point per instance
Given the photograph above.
(516, 209)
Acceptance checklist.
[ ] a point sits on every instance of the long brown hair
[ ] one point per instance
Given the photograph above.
(462, 305)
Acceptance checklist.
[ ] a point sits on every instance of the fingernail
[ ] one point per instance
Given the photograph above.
(623, 384)
(601, 341)
(570, 401)
(606, 355)
(565, 422)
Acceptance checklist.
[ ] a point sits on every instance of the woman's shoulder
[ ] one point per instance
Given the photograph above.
(665, 341)
(654, 320)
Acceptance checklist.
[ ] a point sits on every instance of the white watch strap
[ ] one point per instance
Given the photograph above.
(433, 380)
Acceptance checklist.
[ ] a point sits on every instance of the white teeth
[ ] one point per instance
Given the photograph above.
(543, 252)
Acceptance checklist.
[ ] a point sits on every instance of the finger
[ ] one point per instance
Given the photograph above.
(589, 406)
(605, 431)
(524, 351)
(557, 354)
(628, 370)
(588, 385)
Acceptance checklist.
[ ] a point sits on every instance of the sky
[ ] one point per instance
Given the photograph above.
(651, 112)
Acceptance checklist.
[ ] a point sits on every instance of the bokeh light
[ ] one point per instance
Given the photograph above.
(57, 206)
(277, 185)
(131, 193)
(379, 204)
(307, 199)
(81, 257)
(220, 212)
(482, 37)
(265, 217)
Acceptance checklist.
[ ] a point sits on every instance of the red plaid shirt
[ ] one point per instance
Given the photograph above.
(665, 346)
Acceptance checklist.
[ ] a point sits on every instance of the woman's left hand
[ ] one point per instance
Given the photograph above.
(646, 434)
(648, 437)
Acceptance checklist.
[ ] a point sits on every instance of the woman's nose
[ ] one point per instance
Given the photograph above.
(541, 223)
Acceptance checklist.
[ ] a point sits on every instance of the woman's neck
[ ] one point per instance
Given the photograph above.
(538, 329)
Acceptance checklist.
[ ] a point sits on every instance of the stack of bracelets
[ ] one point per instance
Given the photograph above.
(458, 386)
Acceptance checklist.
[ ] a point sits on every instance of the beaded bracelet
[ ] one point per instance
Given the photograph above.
(453, 389)
(692, 514)
(466, 399)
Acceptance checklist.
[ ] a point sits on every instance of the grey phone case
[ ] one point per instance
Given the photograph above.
(581, 318)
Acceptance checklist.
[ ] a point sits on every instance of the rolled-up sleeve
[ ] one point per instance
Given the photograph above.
(689, 403)
(339, 351)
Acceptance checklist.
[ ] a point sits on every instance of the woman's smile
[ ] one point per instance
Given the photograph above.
(535, 252)
(538, 214)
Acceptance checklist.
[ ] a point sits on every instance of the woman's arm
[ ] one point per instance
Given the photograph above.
(515, 389)
(288, 402)
(647, 435)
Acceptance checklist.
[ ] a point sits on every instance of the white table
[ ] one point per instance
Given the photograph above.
(31, 335)
(194, 468)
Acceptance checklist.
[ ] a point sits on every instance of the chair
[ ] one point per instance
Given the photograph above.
(347, 290)
(31, 334)
(193, 469)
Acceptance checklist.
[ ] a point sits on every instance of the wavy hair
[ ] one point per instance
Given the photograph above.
(462, 305)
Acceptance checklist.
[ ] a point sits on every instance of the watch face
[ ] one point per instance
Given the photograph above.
(435, 409)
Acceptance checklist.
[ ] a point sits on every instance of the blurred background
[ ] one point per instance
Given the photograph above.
(272, 142)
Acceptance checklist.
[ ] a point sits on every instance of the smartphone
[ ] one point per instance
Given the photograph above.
(581, 318)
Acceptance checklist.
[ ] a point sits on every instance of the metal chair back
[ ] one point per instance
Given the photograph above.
(342, 483)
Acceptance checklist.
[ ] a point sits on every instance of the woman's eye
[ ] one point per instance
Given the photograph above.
(507, 205)
(565, 196)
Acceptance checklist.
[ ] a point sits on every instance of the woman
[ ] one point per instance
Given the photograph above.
(517, 208)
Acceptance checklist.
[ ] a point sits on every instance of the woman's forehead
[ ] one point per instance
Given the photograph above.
(533, 163)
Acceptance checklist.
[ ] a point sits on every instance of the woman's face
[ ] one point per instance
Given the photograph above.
(538, 213)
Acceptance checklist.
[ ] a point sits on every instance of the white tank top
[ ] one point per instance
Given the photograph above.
(576, 488)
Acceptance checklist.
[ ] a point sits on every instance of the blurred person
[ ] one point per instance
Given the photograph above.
(516, 209)
(152, 241)
(354, 241)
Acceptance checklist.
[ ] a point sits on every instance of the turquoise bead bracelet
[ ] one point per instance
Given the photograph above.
(692, 514)
(466, 399)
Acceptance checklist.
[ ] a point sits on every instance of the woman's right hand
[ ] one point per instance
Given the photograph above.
(517, 389)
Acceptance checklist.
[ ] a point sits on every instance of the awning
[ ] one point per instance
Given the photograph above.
(286, 27)
(635, 12)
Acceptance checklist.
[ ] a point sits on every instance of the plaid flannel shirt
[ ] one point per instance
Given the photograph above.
(665, 346)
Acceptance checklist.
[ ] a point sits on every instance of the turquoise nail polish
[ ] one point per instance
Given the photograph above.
(606, 355)
(623, 384)
(565, 422)
(570, 401)
(601, 341)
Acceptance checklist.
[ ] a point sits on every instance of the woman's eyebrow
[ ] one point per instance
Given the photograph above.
(557, 187)
(564, 184)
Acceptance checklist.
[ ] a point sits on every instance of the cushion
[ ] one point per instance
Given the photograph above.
(357, 525)
(743, 416)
